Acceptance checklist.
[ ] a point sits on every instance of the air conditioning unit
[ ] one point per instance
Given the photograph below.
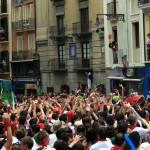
(122, 52)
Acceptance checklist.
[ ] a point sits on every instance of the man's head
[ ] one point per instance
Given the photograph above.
(102, 132)
(119, 139)
(132, 120)
(26, 143)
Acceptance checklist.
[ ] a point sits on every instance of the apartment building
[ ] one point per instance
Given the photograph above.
(124, 32)
(144, 7)
(5, 38)
(25, 60)
(70, 43)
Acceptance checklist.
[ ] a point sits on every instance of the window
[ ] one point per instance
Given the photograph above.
(85, 54)
(137, 38)
(19, 43)
(29, 11)
(61, 54)
(31, 42)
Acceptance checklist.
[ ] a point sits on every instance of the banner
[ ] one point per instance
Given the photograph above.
(72, 51)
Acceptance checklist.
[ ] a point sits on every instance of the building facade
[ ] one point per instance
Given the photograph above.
(124, 45)
(5, 38)
(69, 43)
(25, 62)
(144, 7)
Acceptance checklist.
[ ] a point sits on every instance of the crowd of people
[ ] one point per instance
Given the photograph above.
(82, 120)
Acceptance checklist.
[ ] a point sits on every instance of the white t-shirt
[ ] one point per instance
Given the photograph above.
(3, 148)
(101, 144)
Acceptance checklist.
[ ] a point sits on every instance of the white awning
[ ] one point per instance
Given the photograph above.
(115, 77)
(134, 80)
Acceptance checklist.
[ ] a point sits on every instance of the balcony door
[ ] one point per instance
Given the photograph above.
(61, 56)
(84, 13)
(85, 55)
(60, 25)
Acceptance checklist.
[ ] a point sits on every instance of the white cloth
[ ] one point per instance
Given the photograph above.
(15, 140)
(142, 132)
(89, 83)
(52, 139)
(101, 144)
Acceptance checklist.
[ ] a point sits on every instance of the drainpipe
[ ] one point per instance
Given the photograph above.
(127, 34)
(35, 23)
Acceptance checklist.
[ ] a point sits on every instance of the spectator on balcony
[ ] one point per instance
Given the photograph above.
(148, 45)
(114, 47)
(2, 33)
(4, 65)
(89, 80)
(79, 86)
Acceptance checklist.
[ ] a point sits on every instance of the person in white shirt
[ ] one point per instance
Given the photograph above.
(102, 143)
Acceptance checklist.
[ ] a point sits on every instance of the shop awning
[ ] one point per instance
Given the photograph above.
(134, 80)
(124, 79)
(115, 77)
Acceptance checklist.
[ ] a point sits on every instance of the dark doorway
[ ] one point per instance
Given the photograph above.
(65, 88)
(31, 91)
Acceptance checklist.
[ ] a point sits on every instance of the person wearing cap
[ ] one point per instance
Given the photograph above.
(57, 125)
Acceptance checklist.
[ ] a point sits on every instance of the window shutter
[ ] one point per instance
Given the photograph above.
(13, 15)
(31, 10)
(20, 43)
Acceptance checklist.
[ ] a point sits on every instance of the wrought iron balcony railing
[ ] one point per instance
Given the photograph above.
(57, 31)
(21, 25)
(29, 24)
(82, 64)
(24, 55)
(57, 64)
(82, 27)
(143, 2)
(18, 25)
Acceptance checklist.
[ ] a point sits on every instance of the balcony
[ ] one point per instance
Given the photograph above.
(25, 70)
(144, 4)
(3, 36)
(58, 34)
(29, 24)
(82, 64)
(58, 2)
(82, 30)
(58, 65)
(24, 55)
(17, 2)
(4, 66)
(23, 25)
(17, 26)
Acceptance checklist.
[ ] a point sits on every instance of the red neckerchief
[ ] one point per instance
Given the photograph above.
(42, 142)
(132, 126)
(102, 139)
(115, 147)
